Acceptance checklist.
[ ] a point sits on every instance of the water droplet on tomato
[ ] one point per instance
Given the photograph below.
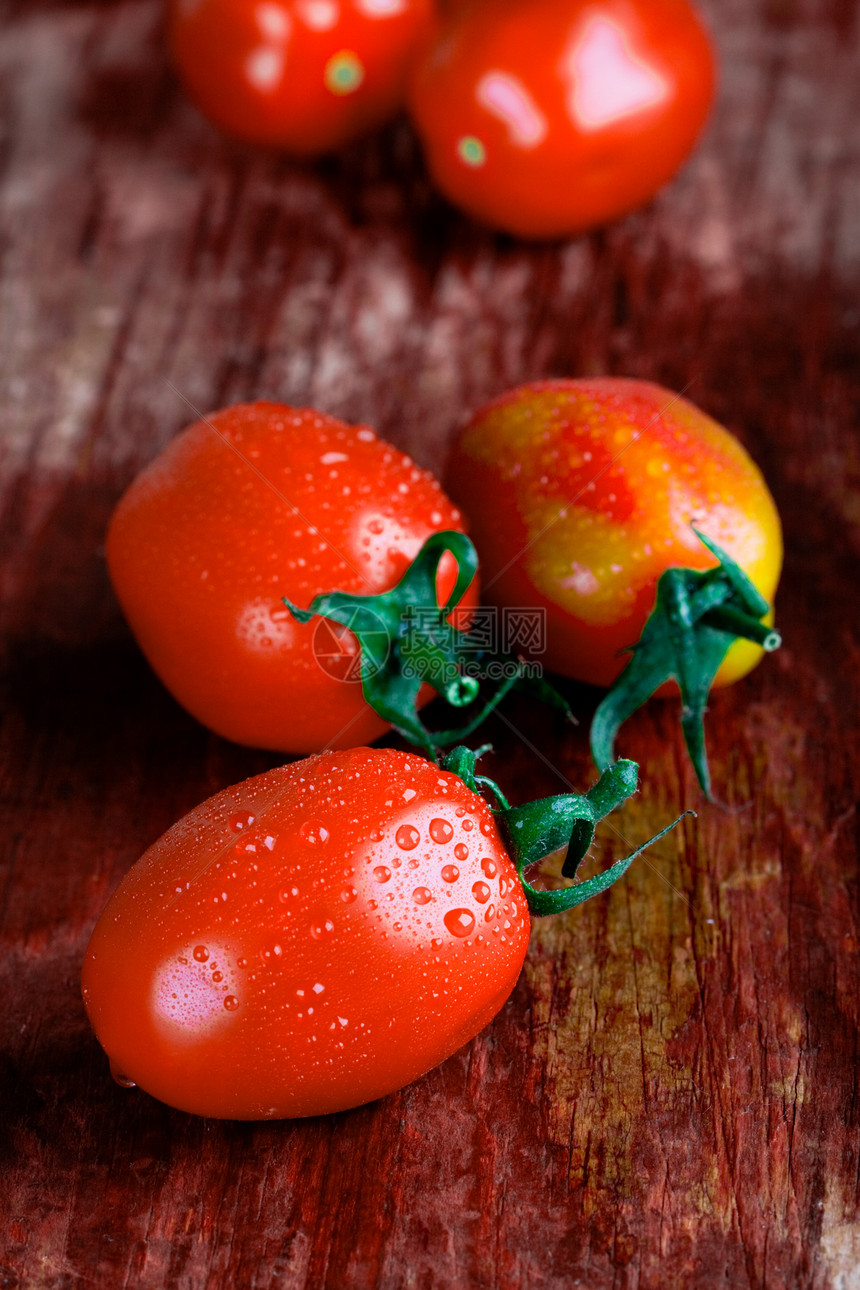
(121, 1078)
(422, 895)
(468, 825)
(242, 821)
(490, 914)
(407, 837)
(461, 851)
(231, 1003)
(321, 930)
(441, 831)
(217, 976)
(200, 953)
(436, 943)
(481, 892)
(489, 867)
(460, 922)
(313, 832)
(348, 895)
(450, 873)
(486, 826)
(381, 873)
(375, 526)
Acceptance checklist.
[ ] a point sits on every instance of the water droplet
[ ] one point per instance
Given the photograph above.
(486, 827)
(436, 943)
(201, 953)
(217, 976)
(348, 895)
(489, 867)
(381, 873)
(407, 837)
(441, 831)
(242, 821)
(231, 1003)
(375, 526)
(422, 895)
(321, 930)
(121, 1078)
(450, 873)
(468, 825)
(286, 894)
(481, 892)
(313, 832)
(461, 851)
(460, 922)
(490, 914)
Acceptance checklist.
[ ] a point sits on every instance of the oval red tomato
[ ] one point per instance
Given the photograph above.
(309, 940)
(580, 494)
(547, 117)
(301, 75)
(255, 503)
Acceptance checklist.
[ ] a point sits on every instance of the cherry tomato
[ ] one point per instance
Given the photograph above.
(304, 76)
(309, 940)
(256, 503)
(580, 494)
(546, 117)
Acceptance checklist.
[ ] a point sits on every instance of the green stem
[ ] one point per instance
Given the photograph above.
(536, 830)
(697, 617)
(406, 641)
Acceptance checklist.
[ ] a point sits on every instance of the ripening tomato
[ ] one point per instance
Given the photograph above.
(309, 940)
(581, 493)
(256, 503)
(304, 76)
(546, 117)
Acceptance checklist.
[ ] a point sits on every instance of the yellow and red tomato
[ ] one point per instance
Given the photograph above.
(581, 493)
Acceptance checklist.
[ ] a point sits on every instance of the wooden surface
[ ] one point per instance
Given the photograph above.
(670, 1098)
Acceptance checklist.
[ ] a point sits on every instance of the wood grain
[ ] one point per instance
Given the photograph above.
(670, 1098)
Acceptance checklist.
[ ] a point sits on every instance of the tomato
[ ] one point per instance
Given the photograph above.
(546, 117)
(304, 76)
(326, 932)
(256, 503)
(308, 940)
(581, 493)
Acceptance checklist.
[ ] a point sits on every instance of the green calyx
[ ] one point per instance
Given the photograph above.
(538, 829)
(406, 642)
(698, 615)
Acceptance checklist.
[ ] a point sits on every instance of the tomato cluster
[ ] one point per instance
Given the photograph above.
(539, 117)
(326, 932)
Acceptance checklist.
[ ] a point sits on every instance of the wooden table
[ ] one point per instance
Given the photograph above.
(670, 1098)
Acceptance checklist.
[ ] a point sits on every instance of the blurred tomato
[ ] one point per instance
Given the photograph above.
(546, 117)
(304, 76)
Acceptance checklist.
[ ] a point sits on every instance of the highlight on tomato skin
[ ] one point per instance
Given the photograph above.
(581, 493)
(302, 76)
(544, 118)
(309, 940)
(250, 505)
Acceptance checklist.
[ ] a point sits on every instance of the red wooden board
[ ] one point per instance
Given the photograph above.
(670, 1097)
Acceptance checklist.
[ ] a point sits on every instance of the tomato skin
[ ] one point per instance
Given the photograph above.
(547, 117)
(286, 949)
(587, 492)
(258, 502)
(304, 76)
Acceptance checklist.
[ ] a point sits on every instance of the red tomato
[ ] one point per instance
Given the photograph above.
(302, 75)
(546, 117)
(255, 503)
(309, 940)
(580, 494)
